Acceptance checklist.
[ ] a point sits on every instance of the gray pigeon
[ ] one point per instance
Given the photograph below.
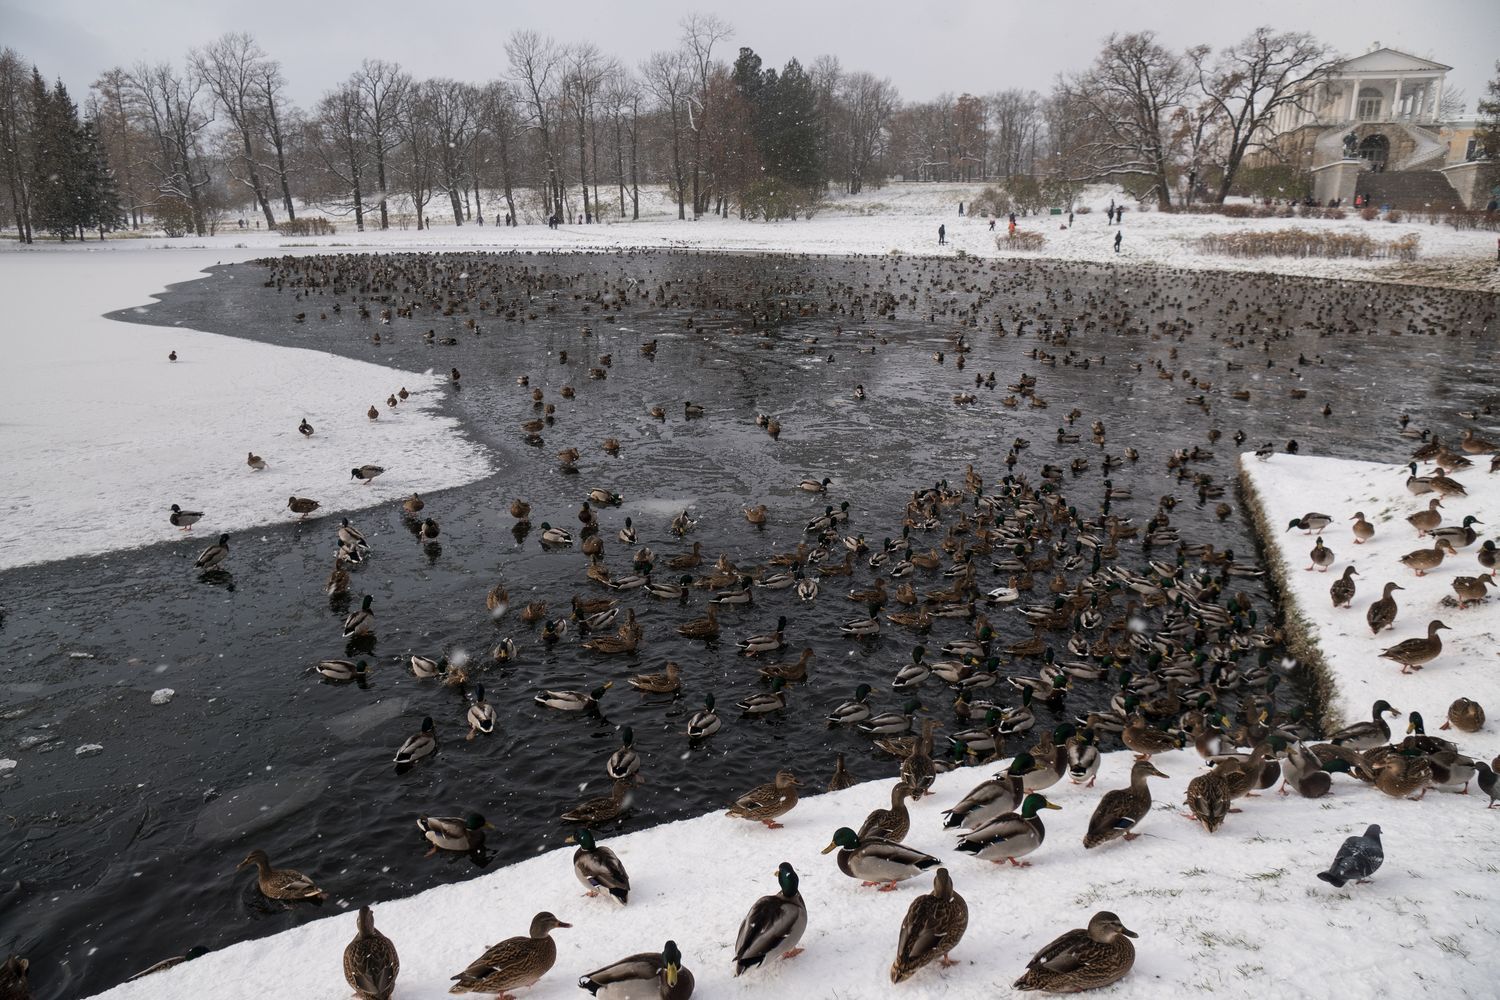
(1358, 859)
(1488, 783)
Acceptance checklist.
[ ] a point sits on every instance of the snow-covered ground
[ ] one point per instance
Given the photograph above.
(1236, 914)
(100, 434)
(1467, 666)
(904, 217)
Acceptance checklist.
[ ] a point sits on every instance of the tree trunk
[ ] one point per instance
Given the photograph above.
(478, 205)
(583, 177)
(385, 219)
(458, 208)
(255, 184)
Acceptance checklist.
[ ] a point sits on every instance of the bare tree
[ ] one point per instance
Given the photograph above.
(534, 65)
(417, 155)
(382, 88)
(281, 124)
(120, 138)
(584, 76)
(1126, 101)
(700, 33)
(341, 145)
(1017, 119)
(666, 76)
(499, 124)
(229, 67)
(15, 130)
(171, 109)
(868, 104)
(623, 96)
(454, 108)
(1252, 80)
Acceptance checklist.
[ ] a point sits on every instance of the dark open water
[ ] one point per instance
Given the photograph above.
(111, 862)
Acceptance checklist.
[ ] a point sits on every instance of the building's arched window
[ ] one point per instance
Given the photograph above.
(1368, 108)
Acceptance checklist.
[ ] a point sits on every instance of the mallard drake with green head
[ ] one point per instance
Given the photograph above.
(1414, 654)
(992, 798)
(418, 746)
(764, 803)
(890, 723)
(458, 834)
(856, 709)
(573, 701)
(361, 622)
(514, 963)
(625, 761)
(650, 975)
(1082, 959)
(765, 702)
(1459, 535)
(877, 862)
(342, 671)
(280, 883)
(705, 722)
(370, 960)
(889, 824)
(1120, 810)
(599, 868)
(214, 556)
(764, 643)
(1310, 523)
(1418, 740)
(774, 924)
(934, 925)
(1011, 836)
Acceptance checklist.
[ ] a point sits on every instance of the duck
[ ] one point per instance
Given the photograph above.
(458, 834)
(338, 579)
(604, 497)
(774, 924)
(213, 557)
(1011, 836)
(280, 883)
(650, 975)
(1382, 612)
(893, 823)
(1146, 740)
(1423, 560)
(795, 672)
(1310, 523)
(705, 628)
(669, 681)
(418, 746)
(877, 862)
(342, 671)
(1465, 715)
(366, 473)
(1209, 799)
(514, 963)
(184, 519)
(1083, 958)
(1321, 557)
(1401, 774)
(890, 723)
(705, 722)
(1418, 740)
(1489, 556)
(256, 463)
(665, 590)
(1458, 535)
(1363, 530)
(413, 504)
(912, 674)
(1414, 654)
(1083, 759)
(766, 803)
(599, 868)
(1367, 735)
(1342, 591)
(814, 486)
(991, 798)
(1120, 810)
(302, 505)
(1427, 520)
(856, 709)
(756, 515)
(1471, 589)
(304, 428)
(520, 509)
(556, 536)
(573, 701)
(934, 925)
(765, 702)
(481, 714)
(765, 643)
(841, 778)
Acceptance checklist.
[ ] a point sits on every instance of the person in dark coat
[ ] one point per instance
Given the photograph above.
(942, 234)
(1119, 236)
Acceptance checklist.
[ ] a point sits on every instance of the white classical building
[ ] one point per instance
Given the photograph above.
(1381, 86)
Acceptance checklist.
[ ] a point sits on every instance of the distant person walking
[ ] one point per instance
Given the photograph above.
(1070, 218)
(1119, 236)
(992, 224)
(942, 235)
(960, 208)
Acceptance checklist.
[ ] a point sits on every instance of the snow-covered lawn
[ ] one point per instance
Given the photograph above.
(100, 434)
(1289, 486)
(1236, 914)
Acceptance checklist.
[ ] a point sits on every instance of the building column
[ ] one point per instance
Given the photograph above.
(1437, 104)
(1396, 100)
(1353, 95)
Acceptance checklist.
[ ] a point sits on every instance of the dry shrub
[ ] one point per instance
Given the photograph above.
(1021, 240)
(1306, 243)
(1083, 210)
(1394, 215)
(1369, 213)
(317, 226)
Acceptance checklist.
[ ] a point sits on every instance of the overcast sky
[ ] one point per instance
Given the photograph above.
(925, 47)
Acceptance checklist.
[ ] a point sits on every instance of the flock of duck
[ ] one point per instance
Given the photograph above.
(1165, 628)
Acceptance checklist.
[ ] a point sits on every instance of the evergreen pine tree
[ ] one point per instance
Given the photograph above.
(103, 210)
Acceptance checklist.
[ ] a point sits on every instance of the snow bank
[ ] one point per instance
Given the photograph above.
(1233, 914)
(1356, 676)
(100, 434)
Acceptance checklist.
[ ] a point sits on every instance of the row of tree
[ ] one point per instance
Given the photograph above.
(571, 133)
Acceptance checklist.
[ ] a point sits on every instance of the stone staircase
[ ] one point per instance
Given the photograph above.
(1408, 190)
